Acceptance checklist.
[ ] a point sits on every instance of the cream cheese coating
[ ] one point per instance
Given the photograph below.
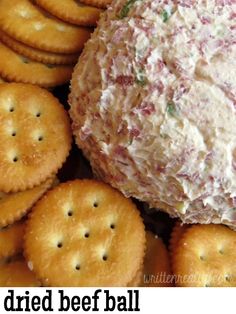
(153, 104)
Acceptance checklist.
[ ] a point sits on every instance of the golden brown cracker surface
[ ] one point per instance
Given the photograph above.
(206, 257)
(13, 206)
(71, 11)
(38, 55)
(17, 274)
(156, 270)
(138, 278)
(97, 237)
(11, 239)
(176, 234)
(35, 136)
(17, 68)
(25, 22)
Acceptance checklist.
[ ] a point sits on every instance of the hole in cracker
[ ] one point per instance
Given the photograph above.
(59, 245)
(11, 109)
(15, 159)
(40, 138)
(38, 114)
(70, 213)
(95, 204)
(202, 258)
(221, 251)
(13, 133)
(227, 278)
(86, 235)
(105, 257)
(77, 267)
(207, 285)
(112, 226)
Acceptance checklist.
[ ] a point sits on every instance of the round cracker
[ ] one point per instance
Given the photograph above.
(13, 206)
(176, 234)
(11, 239)
(17, 274)
(156, 270)
(206, 256)
(97, 237)
(97, 3)
(71, 11)
(38, 55)
(35, 136)
(17, 68)
(25, 22)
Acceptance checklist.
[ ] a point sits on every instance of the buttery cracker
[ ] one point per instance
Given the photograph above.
(38, 55)
(176, 234)
(24, 21)
(35, 136)
(17, 274)
(156, 270)
(71, 11)
(205, 257)
(13, 206)
(11, 239)
(97, 237)
(17, 68)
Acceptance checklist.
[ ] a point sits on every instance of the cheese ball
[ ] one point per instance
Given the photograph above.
(153, 104)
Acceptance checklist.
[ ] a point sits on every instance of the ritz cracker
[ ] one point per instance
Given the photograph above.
(99, 300)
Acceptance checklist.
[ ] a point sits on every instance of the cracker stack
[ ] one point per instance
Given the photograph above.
(97, 237)
(35, 138)
(41, 47)
(13, 268)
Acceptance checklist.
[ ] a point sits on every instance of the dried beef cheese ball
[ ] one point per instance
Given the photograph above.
(153, 104)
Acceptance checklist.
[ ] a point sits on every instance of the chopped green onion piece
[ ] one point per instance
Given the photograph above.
(163, 135)
(170, 108)
(125, 10)
(165, 16)
(207, 168)
(141, 78)
(130, 141)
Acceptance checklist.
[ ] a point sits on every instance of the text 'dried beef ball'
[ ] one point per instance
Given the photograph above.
(153, 104)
